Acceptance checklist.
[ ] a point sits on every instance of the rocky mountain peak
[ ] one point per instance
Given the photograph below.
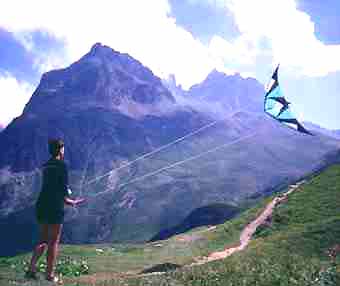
(229, 92)
(217, 76)
(102, 78)
(97, 47)
(103, 53)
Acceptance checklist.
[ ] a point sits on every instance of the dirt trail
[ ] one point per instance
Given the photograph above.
(249, 230)
(245, 238)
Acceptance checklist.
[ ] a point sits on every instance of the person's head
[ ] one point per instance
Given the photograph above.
(56, 148)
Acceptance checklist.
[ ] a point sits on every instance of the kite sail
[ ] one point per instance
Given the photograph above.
(276, 105)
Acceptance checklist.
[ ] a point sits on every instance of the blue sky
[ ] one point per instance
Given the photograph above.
(187, 38)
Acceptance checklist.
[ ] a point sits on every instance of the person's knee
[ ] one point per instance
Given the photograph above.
(42, 244)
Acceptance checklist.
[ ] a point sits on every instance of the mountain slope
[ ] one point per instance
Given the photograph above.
(302, 230)
(319, 129)
(207, 215)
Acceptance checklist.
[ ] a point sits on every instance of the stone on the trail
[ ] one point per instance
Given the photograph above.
(159, 268)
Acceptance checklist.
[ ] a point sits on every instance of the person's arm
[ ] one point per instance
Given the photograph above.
(72, 202)
(64, 179)
(67, 191)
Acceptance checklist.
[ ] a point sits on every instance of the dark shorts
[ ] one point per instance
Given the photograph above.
(49, 216)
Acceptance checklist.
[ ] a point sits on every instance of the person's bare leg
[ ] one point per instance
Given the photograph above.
(53, 242)
(39, 248)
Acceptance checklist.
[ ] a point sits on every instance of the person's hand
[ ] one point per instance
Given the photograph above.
(78, 201)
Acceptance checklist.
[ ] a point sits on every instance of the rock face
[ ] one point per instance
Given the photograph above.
(233, 93)
(220, 95)
(103, 78)
(110, 109)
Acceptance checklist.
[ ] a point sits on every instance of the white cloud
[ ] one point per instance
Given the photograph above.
(143, 29)
(215, 3)
(13, 97)
(289, 31)
(243, 50)
(43, 60)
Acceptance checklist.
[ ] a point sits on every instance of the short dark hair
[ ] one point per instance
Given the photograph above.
(54, 146)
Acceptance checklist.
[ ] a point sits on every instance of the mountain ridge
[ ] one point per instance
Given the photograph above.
(102, 78)
(219, 94)
(318, 128)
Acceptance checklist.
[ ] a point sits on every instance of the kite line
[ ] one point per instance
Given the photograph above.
(146, 155)
(228, 144)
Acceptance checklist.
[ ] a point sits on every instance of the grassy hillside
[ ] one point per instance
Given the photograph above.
(291, 250)
(109, 260)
